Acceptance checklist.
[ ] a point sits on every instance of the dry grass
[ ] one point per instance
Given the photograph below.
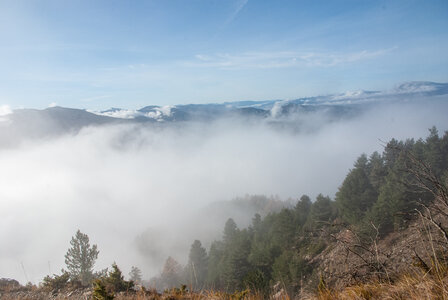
(207, 294)
(415, 286)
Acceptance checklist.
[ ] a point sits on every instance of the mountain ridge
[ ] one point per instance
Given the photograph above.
(265, 108)
(19, 124)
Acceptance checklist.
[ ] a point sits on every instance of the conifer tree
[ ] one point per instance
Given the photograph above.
(80, 258)
(230, 231)
(116, 282)
(356, 195)
(196, 269)
(135, 275)
(215, 258)
(302, 210)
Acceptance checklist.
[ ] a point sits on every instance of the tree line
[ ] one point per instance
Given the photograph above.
(378, 194)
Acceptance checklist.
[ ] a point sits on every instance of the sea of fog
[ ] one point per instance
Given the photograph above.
(116, 182)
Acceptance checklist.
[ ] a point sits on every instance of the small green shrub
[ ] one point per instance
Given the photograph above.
(100, 292)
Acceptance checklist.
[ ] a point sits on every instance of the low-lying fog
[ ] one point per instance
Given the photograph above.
(116, 182)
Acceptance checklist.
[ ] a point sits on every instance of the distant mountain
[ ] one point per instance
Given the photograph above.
(336, 104)
(50, 122)
(54, 121)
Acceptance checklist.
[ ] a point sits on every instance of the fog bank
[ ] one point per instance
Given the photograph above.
(115, 182)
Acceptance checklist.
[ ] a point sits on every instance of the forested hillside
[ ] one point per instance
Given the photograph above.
(379, 195)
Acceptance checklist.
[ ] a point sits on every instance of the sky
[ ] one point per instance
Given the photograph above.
(129, 54)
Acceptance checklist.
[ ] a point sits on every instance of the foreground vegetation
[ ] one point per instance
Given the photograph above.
(346, 248)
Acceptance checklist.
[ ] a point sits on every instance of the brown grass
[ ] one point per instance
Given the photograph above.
(415, 286)
(203, 295)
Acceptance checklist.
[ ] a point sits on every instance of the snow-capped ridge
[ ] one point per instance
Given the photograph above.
(277, 108)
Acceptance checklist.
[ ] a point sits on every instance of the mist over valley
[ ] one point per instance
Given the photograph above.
(143, 184)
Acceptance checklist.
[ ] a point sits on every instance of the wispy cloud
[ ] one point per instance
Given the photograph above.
(91, 99)
(283, 59)
(239, 6)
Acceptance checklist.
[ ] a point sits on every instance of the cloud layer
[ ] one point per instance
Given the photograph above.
(116, 182)
(283, 59)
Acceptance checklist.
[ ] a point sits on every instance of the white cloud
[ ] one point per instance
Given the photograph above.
(282, 59)
(276, 109)
(5, 110)
(238, 7)
(119, 113)
(91, 99)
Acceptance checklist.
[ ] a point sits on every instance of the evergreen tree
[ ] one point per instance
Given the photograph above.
(256, 223)
(283, 229)
(115, 281)
(302, 210)
(356, 195)
(235, 264)
(391, 152)
(230, 231)
(376, 171)
(100, 292)
(80, 258)
(433, 154)
(322, 212)
(288, 269)
(135, 275)
(196, 269)
(215, 258)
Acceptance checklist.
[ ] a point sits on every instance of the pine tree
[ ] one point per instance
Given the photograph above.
(196, 269)
(322, 211)
(115, 280)
(100, 292)
(215, 259)
(356, 195)
(302, 210)
(135, 275)
(235, 264)
(230, 231)
(80, 258)
(283, 229)
(433, 154)
(376, 171)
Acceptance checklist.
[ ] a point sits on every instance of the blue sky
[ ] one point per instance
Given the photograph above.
(101, 54)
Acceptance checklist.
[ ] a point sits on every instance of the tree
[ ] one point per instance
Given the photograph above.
(80, 258)
(282, 230)
(135, 275)
(115, 281)
(215, 259)
(377, 171)
(57, 282)
(235, 264)
(171, 274)
(100, 292)
(322, 211)
(230, 231)
(302, 210)
(356, 195)
(196, 270)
